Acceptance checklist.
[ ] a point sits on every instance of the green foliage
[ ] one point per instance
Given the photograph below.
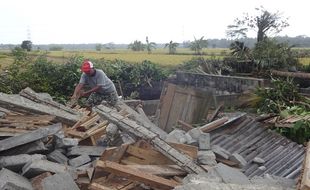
(197, 45)
(263, 22)
(172, 47)
(283, 94)
(27, 45)
(270, 54)
(56, 48)
(150, 45)
(136, 46)
(98, 47)
(240, 51)
(201, 65)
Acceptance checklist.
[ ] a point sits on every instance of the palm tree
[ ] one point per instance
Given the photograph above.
(197, 45)
(172, 47)
(150, 45)
(240, 50)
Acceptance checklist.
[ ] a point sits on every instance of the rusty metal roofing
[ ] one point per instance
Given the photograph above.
(251, 139)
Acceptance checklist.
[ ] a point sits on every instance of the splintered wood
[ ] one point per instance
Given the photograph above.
(138, 163)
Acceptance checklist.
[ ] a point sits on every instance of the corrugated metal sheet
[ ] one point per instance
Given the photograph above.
(251, 139)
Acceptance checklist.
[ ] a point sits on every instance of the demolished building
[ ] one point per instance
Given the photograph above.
(46, 145)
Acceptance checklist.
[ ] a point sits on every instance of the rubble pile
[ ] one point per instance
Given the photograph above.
(46, 146)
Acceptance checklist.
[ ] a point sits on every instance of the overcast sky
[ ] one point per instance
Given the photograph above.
(123, 21)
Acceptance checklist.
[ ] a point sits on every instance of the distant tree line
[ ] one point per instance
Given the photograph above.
(298, 41)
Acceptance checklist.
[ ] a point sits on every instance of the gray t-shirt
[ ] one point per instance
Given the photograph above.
(100, 79)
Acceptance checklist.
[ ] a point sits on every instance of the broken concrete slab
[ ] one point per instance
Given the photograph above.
(16, 163)
(80, 160)
(235, 157)
(66, 142)
(258, 160)
(176, 136)
(12, 180)
(29, 137)
(21, 104)
(88, 150)
(204, 141)
(221, 151)
(36, 147)
(207, 158)
(33, 169)
(57, 156)
(231, 175)
(37, 181)
(61, 181)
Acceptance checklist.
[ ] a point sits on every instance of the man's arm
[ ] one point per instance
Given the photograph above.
(87, 93)
(77, 91)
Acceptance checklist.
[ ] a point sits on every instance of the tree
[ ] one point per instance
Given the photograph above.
(136, 46)
(197, 45)
(239, 50)
(172, 47)
(150, 45)
(98, 47)
(264, 23)
(27, 45)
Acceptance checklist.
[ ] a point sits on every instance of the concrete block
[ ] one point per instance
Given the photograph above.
(219, 151)
(36, 147)
(231, 175)
(57, 156)
(80, 160)
(66, 142)
(207, 158)
(238, 158)
(61, 181)
(33, 169)
(12, 180)
(204, 141)
(176, 136)
(88, 150)
(195, 133)
(258, 160)
(16, 163)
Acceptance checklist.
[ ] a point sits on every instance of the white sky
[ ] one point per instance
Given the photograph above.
(123, 21)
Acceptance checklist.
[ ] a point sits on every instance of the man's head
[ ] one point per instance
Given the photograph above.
(87, 67)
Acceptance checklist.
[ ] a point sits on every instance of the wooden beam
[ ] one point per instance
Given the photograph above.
(136, 175)
(305, 181)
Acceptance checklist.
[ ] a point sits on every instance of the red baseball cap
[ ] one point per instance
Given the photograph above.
(87, 66)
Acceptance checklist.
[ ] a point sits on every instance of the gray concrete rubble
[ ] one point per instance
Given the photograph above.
(206, 157)
(79, 161)
(33, 169)
(88, 150)
(16, 163)
(219, 151)
(204, 141)
(36, 147)
(176, 136)
(12, 180)
(58, 157)
(66, 142)
(59, 181)
(238, 159)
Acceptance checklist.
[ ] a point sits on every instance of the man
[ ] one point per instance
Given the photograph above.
(101, 87)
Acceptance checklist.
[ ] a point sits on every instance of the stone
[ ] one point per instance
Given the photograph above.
(204, 141)
(16, 163)
(207, 158)
(12, 181)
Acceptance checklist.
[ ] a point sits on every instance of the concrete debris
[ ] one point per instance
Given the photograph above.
(56, 147)
(12, 180)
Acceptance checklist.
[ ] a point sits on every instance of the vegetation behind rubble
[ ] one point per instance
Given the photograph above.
(59, 79)
(283, 99)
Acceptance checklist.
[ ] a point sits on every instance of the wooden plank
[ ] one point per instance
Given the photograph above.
(165, 105)
(305, 181)
(191, 151)
(160, 170)
(91, 121)
(160, 145)
(150, 156)
(185, 126)
(136, 175)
